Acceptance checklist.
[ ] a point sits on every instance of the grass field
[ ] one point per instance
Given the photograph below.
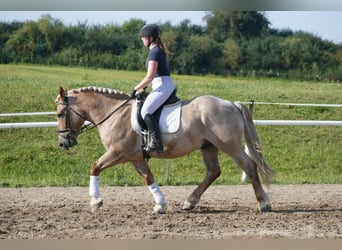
(299, 154)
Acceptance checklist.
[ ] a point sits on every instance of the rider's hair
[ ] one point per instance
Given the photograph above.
(162, 45)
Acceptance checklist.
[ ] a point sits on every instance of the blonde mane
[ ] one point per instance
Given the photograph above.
(99, 90)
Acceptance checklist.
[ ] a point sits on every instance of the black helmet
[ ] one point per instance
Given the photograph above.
(150, 30)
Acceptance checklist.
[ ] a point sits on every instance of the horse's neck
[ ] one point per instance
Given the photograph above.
(98, 106)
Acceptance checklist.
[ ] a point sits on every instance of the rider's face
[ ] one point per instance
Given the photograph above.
(146, 40)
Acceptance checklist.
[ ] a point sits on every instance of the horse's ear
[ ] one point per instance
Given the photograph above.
(62, 92)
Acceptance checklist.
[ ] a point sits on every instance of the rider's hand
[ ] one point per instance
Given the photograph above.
(133, 93)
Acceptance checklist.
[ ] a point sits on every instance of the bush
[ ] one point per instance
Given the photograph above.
(339, 73)
(67, 56)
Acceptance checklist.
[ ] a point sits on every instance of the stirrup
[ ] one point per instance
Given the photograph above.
(154, 148)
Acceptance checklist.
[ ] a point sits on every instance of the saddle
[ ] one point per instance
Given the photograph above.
(167, 115)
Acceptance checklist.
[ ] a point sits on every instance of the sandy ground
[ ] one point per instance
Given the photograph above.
(224, 212)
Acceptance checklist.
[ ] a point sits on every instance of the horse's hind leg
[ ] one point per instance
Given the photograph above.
(209, 153)
(250, 168)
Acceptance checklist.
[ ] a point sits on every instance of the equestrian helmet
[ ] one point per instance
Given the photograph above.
(150, 30)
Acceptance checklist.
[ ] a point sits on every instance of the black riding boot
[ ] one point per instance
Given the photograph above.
(153, 127)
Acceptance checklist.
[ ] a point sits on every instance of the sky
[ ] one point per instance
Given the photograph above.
(324, 24)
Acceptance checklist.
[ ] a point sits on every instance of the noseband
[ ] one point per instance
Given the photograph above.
(69, 132)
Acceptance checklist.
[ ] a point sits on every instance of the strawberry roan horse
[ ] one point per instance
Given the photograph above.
(208, 124)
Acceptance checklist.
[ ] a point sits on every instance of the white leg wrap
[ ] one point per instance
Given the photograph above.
(157, 194)
(94, 186)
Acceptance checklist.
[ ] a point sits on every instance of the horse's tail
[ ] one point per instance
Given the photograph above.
(254, 145)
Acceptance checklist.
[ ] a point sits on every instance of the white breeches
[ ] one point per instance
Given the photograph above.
(162, 88)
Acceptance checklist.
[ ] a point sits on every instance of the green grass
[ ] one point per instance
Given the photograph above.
(299, 154)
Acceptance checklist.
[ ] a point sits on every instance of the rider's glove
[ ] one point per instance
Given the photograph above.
(133, 93)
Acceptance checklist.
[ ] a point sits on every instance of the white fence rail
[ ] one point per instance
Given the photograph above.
(297, 123)
(256, 122)
(27, 114)
(32, 124)
(28, 125)
(301, 104)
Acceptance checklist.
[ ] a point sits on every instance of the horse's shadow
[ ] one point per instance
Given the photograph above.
(215, 211)
(208, 210)
(303, 210)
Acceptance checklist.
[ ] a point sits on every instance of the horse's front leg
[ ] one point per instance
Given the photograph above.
(95, 201)
(94, 190)
(146, 174)
(105, 161)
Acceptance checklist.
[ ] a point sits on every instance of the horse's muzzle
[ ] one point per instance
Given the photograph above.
(67, 142)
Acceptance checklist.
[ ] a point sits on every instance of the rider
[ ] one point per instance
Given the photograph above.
(158, 75)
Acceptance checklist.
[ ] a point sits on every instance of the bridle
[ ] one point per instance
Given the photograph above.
(70, 132)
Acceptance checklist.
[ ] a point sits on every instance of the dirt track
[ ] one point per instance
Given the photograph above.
(225, 212)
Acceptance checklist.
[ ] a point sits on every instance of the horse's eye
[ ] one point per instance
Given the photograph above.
(60, 115)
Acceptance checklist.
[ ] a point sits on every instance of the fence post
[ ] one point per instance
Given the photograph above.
(251, 106)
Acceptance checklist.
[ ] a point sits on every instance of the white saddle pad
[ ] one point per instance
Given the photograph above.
(169, 119)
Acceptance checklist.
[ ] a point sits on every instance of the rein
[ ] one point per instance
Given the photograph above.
(85, 127)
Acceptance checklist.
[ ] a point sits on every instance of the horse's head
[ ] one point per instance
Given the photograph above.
(69, 120)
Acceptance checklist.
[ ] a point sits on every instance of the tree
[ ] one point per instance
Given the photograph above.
(231, 54)
(25, 42)
(74, 36)
(6, 29)
(222, 25)
(113, 40)
(201, 55)
(52, 29)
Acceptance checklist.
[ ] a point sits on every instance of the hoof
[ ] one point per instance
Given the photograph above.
(159, 208)
(265, 207)
(189, 204)
(95, 204)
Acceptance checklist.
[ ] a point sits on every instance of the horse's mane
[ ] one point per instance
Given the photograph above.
(99, 90)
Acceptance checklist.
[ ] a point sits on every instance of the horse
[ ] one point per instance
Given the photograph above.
(208, 123)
